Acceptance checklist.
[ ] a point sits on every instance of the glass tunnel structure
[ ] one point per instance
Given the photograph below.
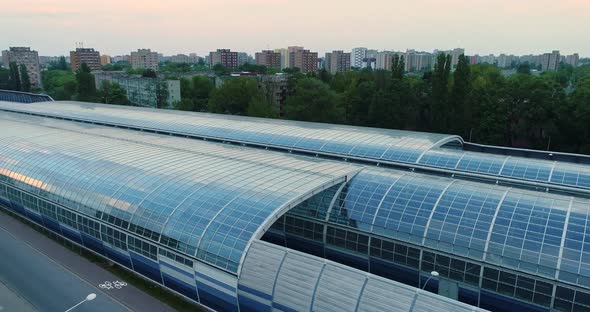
(250, 214)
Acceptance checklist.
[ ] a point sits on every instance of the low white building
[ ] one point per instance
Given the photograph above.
(142, 91)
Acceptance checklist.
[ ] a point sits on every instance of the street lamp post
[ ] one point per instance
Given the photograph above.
(90, 297)
(432, 274)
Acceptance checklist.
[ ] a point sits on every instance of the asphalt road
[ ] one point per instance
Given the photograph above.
(50, 276)
(45, 284)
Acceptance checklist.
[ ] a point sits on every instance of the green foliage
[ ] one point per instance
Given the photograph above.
(24, 79)
(61, 64)
(234, 96)
(14, 78)
(459, 109)
(4, 77)
(119, 66)
(149, 73)
(86, 86)
(169, 67)
(259, 107)
(524, 68)
(59, 84)
(254, 68)
(112, 93)
(440, 109)
(313, 101)
(220, 70)
(162, 94)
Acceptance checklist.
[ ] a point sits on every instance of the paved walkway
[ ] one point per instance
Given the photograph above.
(131, 297)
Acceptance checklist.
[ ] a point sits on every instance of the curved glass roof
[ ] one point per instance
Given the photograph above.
(203, 199)
(536, 232)
(23, 97)
(289, 280)
(539, 170)
(389, 145)
(379, 145)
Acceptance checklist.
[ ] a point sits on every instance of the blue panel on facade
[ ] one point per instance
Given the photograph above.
(498, 303)
(216, 299)
(51, 224)
(468, 296)
(92, 243)
(180, 286)
(18, 208)
(146, 267)
(35, 217)
(305, 245)
(394, 272)
(71, 234)
(347, 259)
(248, 304)
(118, 257)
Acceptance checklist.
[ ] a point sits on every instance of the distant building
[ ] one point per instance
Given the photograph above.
(142, 91)
(550, 61)
(85, 55)
(370, 59)
(144, 59)
(183, 58)
(27, 57)
(384, 59)
(305, 60)
(506, 61)
(337, 61)
(225, 57)
(268, 58)
(105, 59)
(275, 88)
(46, 60)
(357, 57)
(418, 61)
(573, 59)
(284, 57)
(244, 58)
(120, 58)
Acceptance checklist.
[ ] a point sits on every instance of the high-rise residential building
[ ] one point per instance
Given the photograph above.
(505, 61)
(144, 59)
(27, 57)
(370, 59)
(105, 59)
(269, 58)
(384, 59)
(85, 55)
(337, 61)
(46, 60)
(225, 57)
(291, 51)
(549, 61)
(357, 57)
(417, 61)
(284, 57)
(572, 59)
(455, 54)
(305, 60)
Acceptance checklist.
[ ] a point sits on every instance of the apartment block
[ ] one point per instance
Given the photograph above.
(142, 91)
(144, 59)
(85, 55)
(305, 60)
(384, 59)
(105, 59)
(550, 61)
(416, 61)
(357, 57)
(268, 58)
(572, 59)
(337, 61)
(27, 57)
(225, 57)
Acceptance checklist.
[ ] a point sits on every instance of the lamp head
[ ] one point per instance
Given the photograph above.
(91, 297)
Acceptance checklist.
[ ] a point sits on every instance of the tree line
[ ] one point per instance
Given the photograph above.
(15, 78)
(478, 102)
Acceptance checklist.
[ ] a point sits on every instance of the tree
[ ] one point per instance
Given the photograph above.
(4, 77)
(459, 110)
(524, 69)
(440, 93)
(202, 86)
(398, 66)
(234, 96)
(59, 84)
(313, 101)
(14, 80)
(259, 107)
(86, 85)
(60, 64)
(162, 93)
(149, 73)
(24, 79)
(112, 93)
(220, 70)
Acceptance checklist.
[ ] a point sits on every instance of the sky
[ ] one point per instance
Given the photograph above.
(116, 27)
